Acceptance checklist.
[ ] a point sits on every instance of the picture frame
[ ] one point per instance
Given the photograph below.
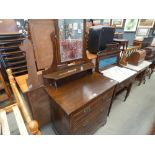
(97, 21)
(117, 22)
(142, 32)
(106, 22)
(130, 25)
(146, 23)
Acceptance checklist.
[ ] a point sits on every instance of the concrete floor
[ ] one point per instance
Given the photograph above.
(133, 117)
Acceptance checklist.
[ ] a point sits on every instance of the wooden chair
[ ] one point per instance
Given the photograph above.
(25, 124)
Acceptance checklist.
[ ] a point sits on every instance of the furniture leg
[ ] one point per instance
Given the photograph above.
(113, 96)
(128, 91)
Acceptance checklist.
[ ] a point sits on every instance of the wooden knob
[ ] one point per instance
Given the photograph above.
(9, 71)
(34, 128)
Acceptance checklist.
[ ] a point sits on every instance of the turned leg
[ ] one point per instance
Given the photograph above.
(151, 73)
(128, 91)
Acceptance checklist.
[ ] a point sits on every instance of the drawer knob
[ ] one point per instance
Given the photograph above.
(87, 110)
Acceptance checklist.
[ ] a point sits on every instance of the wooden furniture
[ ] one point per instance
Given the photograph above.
(150, 56)
(137, 57)
(34, 91)
(21, 82)
(138, 43)
(20, 113)
(81, 106)
(122, 42)
(141, 70)
(11, 55)
(39, 56)
(80, 99)
(108, 65)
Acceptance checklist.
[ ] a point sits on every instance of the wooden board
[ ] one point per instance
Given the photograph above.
(8, 26)
(40, 31)
(20, 122)
(5, 125)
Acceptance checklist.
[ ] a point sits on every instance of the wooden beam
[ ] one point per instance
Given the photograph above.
(20, 122)
(4, 123)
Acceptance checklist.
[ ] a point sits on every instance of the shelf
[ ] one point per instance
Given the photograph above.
(15, 63)
(6, 53)
(14, 58)
(69, 72)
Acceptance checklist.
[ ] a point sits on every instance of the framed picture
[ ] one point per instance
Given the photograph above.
(130, 25)
(142, 32)
(117, 22)
(107, 22)
(146, 23)
(97, 21)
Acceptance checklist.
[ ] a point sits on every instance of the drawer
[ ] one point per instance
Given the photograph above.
(124, 84)
(90, 126)
(99, 111)
(93, 105)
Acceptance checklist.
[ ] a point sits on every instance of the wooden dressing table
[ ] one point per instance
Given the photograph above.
(80, 98)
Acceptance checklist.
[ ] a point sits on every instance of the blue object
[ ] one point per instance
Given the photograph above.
(108, 61)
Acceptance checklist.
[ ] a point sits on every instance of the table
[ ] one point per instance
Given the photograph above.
(124, 77)
(122, 42)
(140, 69)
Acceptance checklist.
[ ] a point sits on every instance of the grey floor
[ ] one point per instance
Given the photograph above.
(133, 117)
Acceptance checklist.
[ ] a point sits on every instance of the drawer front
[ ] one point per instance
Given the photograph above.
(92, 106)
(93, 121)
(124, 84)
(92, 116)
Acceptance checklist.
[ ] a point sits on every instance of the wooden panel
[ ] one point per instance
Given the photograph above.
(5, 125)
(20, 122)
(39, 102)
(40, 30)
(100, 108)
(21, 81)
(8, 26)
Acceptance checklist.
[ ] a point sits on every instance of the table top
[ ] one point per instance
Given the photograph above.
(140, 67)
(118, 74)
(77, 93)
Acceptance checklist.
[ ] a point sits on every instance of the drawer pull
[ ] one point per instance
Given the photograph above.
(87, 110)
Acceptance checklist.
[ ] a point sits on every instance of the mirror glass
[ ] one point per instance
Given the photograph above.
(71, 39)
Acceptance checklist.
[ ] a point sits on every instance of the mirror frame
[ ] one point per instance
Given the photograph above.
(56, 43)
